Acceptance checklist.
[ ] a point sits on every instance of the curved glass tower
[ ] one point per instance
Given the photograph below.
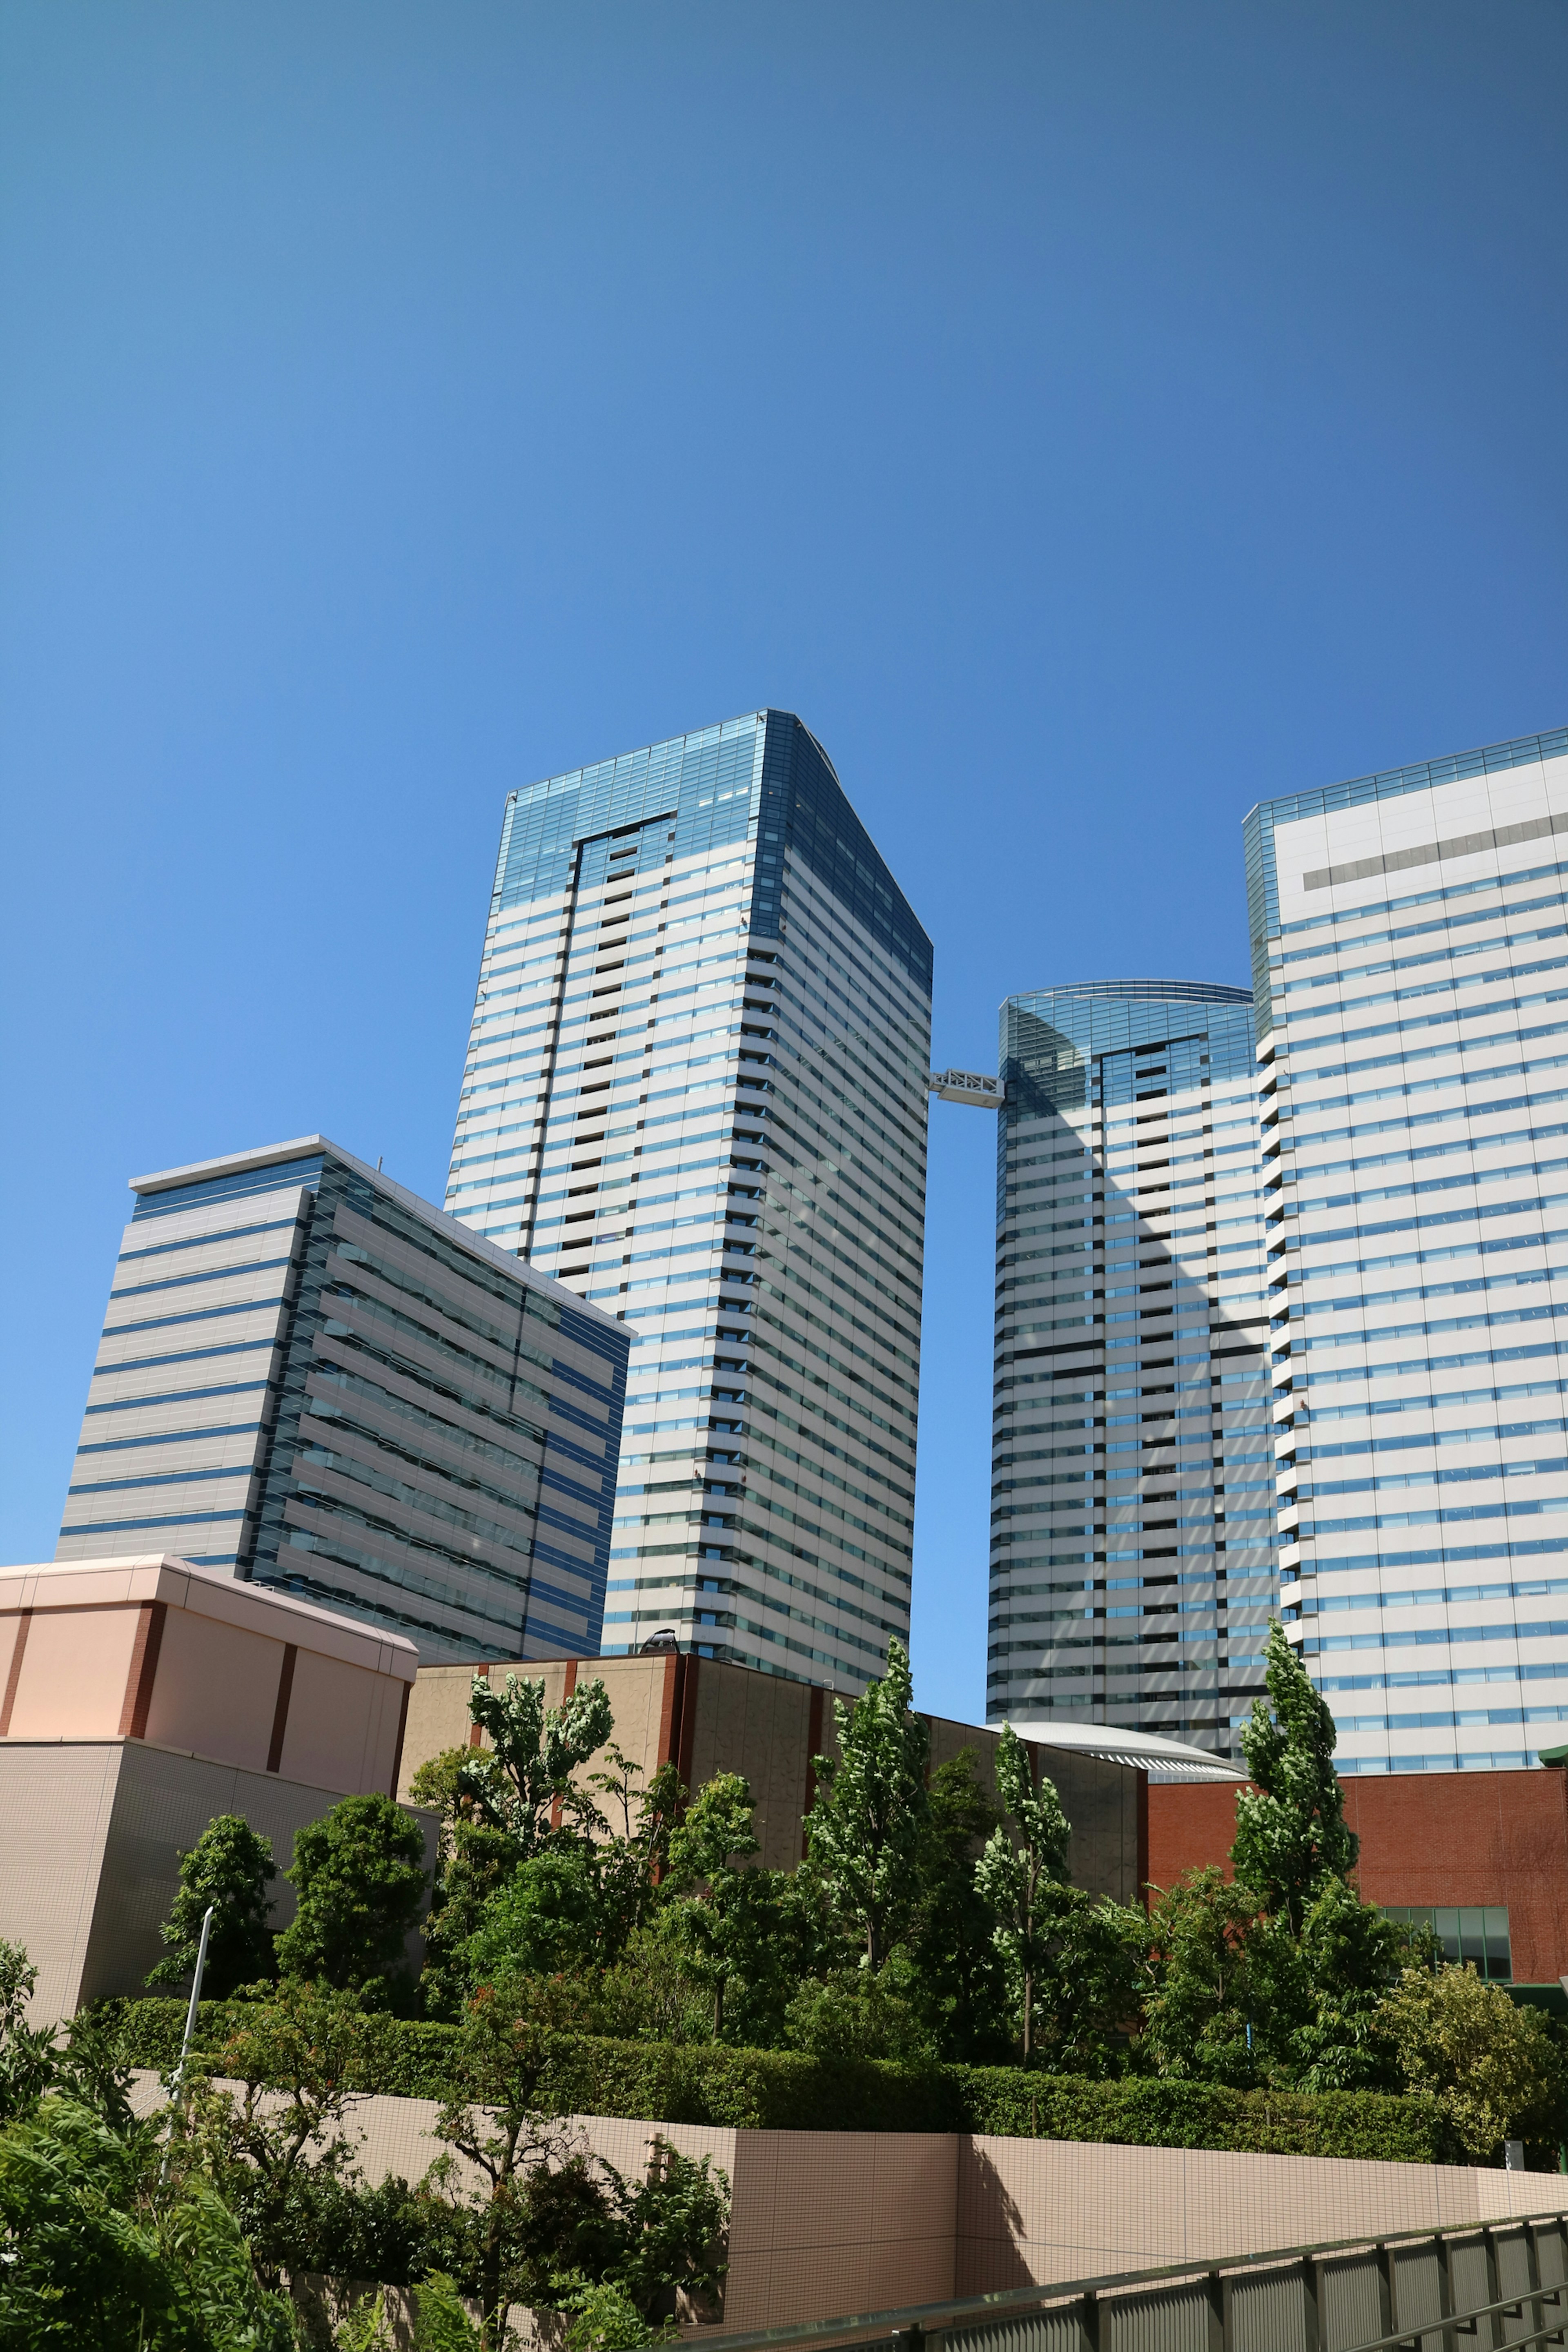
(1132, 1544)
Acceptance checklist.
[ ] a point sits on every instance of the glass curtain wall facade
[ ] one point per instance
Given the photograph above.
(1410, 944)
(695, 1091)
(1133, 1570)
(312, 1379)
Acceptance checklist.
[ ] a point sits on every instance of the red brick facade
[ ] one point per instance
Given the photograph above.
(1425, 1837)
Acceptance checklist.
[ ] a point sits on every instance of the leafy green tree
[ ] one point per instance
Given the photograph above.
(359, 1877)
(1324, 2007)
(854, 2013)
(91, 2257)
(294, 2061)
(674, 2223)
(230, 1866)
(664, 2248)
(27, 2052)
(1091, 1982)
(606, 2319)
(78, 2059)
(574, 1904)
(494, 2118)
(950, 1934)
(1197, 2020)
(722, 1927)
(1020, 1862)
(1290, 1830)
(867, 1824)
(522, 1783)
(474, 1861)
(630, 1861)
(440, 2322)
(1494, 2069)
(547, 1917)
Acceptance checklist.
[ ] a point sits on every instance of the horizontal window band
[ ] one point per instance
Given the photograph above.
(181, 1519)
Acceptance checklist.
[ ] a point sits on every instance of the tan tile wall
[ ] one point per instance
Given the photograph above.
(758, 1726)
(90, 1836)
(1032, 2212)
(827, 2224)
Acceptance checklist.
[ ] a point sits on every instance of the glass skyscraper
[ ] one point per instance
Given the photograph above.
(695, 1091)
(310, 1378)
(1132, 1571)
(1410, 951)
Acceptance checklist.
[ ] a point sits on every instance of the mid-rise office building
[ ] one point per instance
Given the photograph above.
(1410, 945)
(695, 1091)
(1132, 1539)
(310, 1378)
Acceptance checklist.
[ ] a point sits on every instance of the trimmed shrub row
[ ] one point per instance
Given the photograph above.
(782, 2090)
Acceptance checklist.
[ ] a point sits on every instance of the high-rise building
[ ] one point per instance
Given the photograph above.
(1133, 1538)
(1410, 952)
(312, 1379)
(695, 1091)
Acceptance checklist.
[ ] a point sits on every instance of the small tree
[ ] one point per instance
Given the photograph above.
(78, 2061)
(546, 1919)
(633, 1859)
(1348, 1959)
(494, 2118)
(359, 1876)
(951, 1935)
(526, 1774)
(27, 2052)
(674, 2221)
(722, 1928)
(1290, 1831)
(867, 1826)
(1092, 1977)
(1202, 1933)
(295, 2060)
(1020, 1861)
(475, 1860)
(230, 1866)
(1493, 2068)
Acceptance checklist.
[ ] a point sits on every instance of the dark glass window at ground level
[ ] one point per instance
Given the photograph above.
(1470, 1936)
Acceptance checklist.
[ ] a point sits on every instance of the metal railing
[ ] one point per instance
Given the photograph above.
(1455, 2290)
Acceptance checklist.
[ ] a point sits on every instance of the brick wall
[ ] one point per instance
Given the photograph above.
(1425, 1837)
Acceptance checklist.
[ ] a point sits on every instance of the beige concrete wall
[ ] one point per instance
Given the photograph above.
(342, 1726)
(193, 1660)
(90, 1837)
(826, 2225)
(1035, 2213)
(216, 1691)
(759, 1726)
(71, 1684)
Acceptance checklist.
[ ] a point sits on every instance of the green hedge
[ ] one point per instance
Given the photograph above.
(1003, 2101)
(781, 2089)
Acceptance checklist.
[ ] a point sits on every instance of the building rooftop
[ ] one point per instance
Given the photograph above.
(238, 1164)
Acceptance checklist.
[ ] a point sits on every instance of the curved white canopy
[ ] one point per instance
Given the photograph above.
(1161, 1759)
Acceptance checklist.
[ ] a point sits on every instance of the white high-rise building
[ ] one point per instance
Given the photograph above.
(1410, 946)
(695, 1093)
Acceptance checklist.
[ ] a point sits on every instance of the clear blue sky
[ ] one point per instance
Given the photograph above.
(1090, 419)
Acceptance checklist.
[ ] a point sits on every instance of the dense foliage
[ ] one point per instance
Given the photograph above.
(789, 2090)
(933, 1922)
(600, 1945)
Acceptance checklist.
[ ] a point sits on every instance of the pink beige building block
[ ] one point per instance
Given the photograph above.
(138, 1698)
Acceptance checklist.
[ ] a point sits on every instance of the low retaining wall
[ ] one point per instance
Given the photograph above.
(823, 2224)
